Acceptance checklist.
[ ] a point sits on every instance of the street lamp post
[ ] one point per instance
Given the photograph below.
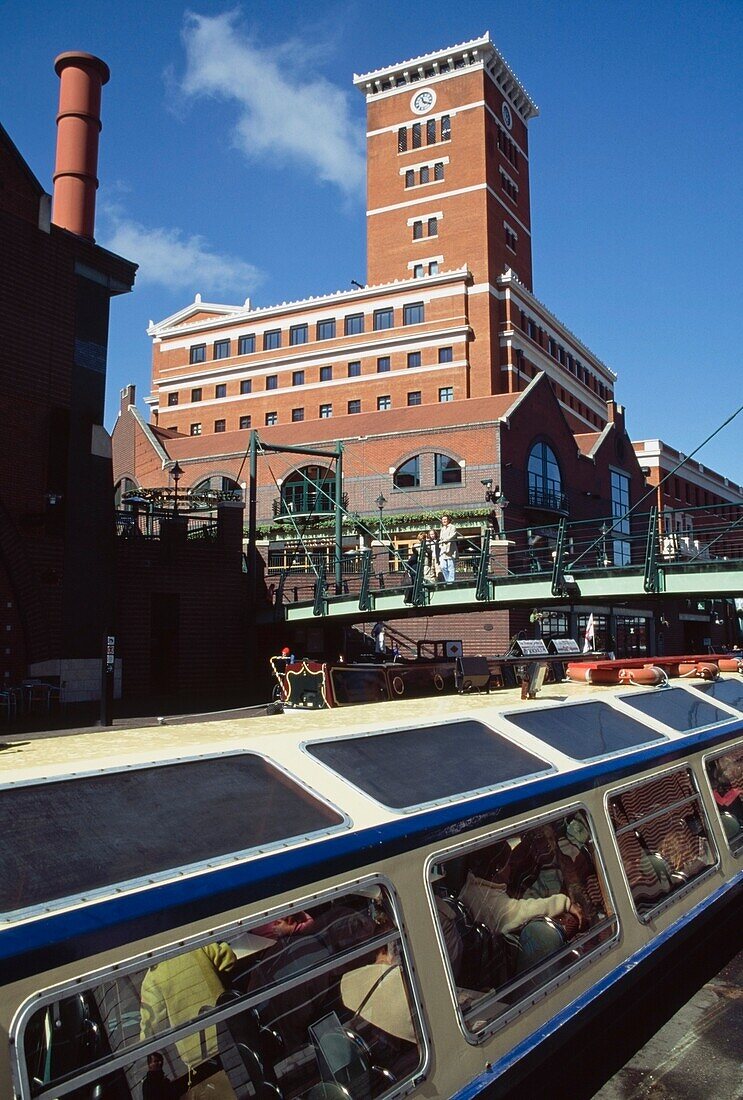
(176, 473)
(380, 503)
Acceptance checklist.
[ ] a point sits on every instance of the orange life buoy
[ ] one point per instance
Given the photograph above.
(648, 676)
(703, 670)
(730, 664)
(398, 685)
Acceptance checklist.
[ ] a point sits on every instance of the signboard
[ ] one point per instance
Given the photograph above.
(532, 647)
(110, 652)
(564, 645)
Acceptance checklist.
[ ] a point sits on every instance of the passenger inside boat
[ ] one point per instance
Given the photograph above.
(518, 910)
(312, 999)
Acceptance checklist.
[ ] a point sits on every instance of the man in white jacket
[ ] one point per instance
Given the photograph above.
(447, 549)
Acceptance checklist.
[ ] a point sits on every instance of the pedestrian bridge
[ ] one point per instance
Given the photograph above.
(598, 561)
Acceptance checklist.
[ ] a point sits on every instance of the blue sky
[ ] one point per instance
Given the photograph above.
(232, 165)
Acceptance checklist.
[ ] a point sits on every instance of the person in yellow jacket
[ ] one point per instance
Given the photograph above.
(176, 991)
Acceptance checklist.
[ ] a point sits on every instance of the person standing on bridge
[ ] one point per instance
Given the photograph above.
(448, 549)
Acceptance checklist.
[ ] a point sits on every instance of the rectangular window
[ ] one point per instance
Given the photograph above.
(433, 267)
(413, 314)
(271, 418)
(326, 411)
(354, 406)
(297, 415)
(416, 135)
(195, 429)
(294, 989)
(326, 374)
(272, 382)
(414, 397)
(246, 345)
(409, 178)
(438, 170)
(298, 334)
(196, 394)
(354, 369)
(402, 139)
(431, 131)
(418, 271)
(425, 174)
(272, 339)
(172, 399)
(445, 355)
(510, 238)
(383, 318)
(297, 377)
(620, 504)
(383, 364)
(384, 402)
(483, 880)
(725, 772)
(433, 227)
(221, 349)
(326, 329)
(246, 385)
(197, 353)
(445, 128)
(414, 359)
(220, 390)
(417, 231)
(446, 393)
(354, 324)
(663, 837)
(220, 425)
(244, 422)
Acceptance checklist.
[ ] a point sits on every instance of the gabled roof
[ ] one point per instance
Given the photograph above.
(589, 442)
(193, 310)
(6, 140)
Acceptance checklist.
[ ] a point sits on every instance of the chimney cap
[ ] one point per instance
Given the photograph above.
(77, 57)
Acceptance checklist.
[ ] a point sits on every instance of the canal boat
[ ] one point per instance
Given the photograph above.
(392, 899)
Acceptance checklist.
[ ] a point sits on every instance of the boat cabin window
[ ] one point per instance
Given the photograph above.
(516, 912)
(310, 1003)
(663, 838)
(679, 709)
(404, 769)
(130, 825)
(585, 730)
(725, 773)
(729, 692)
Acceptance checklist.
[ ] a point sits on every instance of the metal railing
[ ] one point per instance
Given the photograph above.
(150, 525)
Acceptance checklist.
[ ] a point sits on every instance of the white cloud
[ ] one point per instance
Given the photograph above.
(172, 259)
(283, 111)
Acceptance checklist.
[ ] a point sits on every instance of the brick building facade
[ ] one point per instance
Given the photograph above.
(444, 372)
(56, 515)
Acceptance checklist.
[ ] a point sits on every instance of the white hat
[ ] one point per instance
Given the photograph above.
(387, 1007)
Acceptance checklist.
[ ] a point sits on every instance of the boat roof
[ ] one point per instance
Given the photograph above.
(132, 808)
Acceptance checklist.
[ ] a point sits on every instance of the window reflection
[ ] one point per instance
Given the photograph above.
(519, 910)
(663, 837)
(308, 1001)
(725, 774)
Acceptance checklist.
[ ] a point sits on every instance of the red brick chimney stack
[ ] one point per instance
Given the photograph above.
(78, 127)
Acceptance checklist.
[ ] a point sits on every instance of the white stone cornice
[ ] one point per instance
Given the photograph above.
(248, 316)
(510, 282)
(453, 60)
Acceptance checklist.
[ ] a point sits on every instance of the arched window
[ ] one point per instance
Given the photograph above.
(545, 481)
(221, 488)
(309, 490)
(408, 476)
(126, 485)
(447, 470)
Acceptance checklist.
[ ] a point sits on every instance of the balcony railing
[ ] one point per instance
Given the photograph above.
(549, 500)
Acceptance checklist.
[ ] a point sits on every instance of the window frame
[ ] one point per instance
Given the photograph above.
(272, 339)
(675, 895)
(246, 344)
(351, 326)
(196, 354)
(413, 309)
(521, 826)
(246, 385)
(326, 373)
(386, 313)
(325, 329)
(228, 931)
(245, 427)
(222, 349)
(220, 426)
(299, 334)
(220, 391)
(707, 759)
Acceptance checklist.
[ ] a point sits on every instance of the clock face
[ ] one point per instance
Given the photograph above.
(423, 101)
(507, 116)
